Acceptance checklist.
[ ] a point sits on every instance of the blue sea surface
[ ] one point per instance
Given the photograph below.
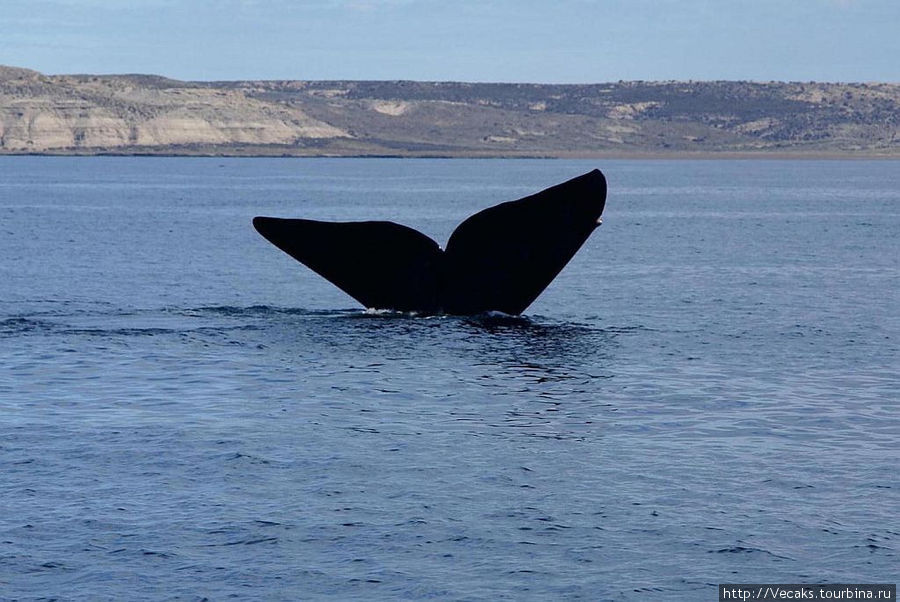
(708, 393)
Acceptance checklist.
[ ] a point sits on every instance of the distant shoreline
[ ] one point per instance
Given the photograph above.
(630, 156)
(146, 115)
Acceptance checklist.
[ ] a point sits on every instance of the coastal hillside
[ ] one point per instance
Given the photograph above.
(146, 114)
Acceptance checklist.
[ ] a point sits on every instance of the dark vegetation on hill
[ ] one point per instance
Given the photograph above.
(150, 114)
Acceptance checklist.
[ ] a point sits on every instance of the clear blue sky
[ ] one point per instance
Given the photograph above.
(565, 41)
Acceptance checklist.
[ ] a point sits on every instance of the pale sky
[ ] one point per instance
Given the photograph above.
(547, 41)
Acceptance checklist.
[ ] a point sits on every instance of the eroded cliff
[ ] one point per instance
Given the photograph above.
(151, 114)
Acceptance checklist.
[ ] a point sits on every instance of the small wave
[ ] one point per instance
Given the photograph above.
(499, 318)
(748, 550)
(488, 319)
(126, 332)
(628, 329)
(262, 311)
(22, 325)
(246, 542)
(393, 313)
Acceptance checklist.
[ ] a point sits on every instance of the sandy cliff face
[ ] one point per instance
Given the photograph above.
(151, 114)
(40, 113)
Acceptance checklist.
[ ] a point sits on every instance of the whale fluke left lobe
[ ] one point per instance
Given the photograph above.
(380, 264)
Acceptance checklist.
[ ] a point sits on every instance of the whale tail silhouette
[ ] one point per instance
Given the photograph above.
(499, 259)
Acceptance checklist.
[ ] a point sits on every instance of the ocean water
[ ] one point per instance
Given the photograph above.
(708, 392)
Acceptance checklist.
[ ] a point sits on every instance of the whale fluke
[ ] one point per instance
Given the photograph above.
(499, 259)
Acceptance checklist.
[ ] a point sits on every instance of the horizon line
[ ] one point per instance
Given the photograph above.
(460, 81)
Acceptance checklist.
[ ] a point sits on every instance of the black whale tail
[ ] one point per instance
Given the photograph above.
(499, 259)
